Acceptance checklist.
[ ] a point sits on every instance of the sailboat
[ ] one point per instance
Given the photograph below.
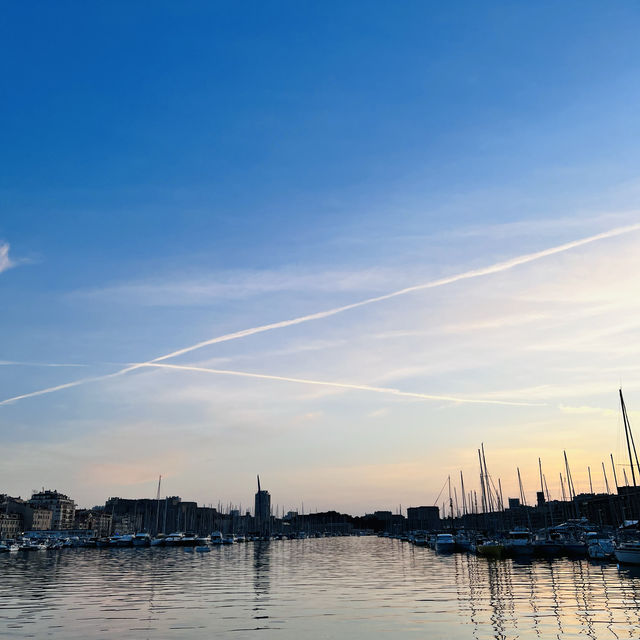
(627, 549)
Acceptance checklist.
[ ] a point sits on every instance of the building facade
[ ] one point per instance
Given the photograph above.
(11, 525)
(423, 518)
(62, 508)
(262, 510)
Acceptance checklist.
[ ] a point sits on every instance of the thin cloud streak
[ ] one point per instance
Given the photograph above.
(13, 363)
(473, 273)
(5, 261)
(341, 385)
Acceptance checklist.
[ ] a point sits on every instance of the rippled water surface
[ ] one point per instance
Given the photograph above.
(319, 588)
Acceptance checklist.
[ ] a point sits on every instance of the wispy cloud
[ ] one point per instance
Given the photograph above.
(205, 288)
(7, 363)
(5, 261)
(498, 267)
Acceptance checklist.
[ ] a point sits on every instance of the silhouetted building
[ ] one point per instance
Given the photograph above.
(425, 518)
(262, 510)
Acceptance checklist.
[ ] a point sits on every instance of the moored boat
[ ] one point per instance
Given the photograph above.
(518, 543)
(491, 549)
(142, 540)
(599, 546)
(628, 552)
(445, 543)
(174, 539)
(217, 538)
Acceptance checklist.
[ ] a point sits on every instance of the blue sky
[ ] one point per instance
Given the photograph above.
(178, 173)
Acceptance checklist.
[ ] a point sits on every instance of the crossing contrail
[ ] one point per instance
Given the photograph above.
(341, 385)
(466, 275)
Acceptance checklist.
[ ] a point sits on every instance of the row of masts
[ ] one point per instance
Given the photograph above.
(491, 497)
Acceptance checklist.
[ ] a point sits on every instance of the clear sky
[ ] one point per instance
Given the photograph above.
(176, 172)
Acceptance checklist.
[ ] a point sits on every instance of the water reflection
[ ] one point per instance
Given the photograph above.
(261, 559)
(360, 587)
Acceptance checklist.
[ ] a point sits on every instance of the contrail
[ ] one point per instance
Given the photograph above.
(474, 273)
(340, 385)
(8, 363)
(466, 275)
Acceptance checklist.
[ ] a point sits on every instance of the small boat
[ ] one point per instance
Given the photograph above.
(464, 542)
(599, 546)
(547, 547)
(518, 543)
(420, 539)
(575, 548)
(189, 539)
(119, 541)
(142, 540)
(173, 539)
(217, 538)
(14, 548)
(491, 549)
(158, 541)
(628, 552)
(229, 539)
(445, 543)
(203, 548)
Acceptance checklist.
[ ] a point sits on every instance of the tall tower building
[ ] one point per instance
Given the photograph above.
(262, 510)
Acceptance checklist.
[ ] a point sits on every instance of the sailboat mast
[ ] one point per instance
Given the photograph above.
(484, 499)
(158, 506)
(464, 496)
(487, 480)
(606, 482)
(522, 498)
(615, 477)
(570, 488)
(626, 433)
(541, 485)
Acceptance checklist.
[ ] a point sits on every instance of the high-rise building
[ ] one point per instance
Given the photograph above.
(62, 508)
(262, 509)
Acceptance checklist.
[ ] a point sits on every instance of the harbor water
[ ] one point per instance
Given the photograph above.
(316, 588)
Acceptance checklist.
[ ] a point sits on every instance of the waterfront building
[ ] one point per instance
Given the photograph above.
(11, 525)
(41, 520)
(62, 507)
(423, 518)
(31, 518)
(94, 520)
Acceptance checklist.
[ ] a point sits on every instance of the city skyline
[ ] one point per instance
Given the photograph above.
(337, 248)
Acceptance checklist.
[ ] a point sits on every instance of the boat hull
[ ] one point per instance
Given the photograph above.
(492, 550)
(628, 556)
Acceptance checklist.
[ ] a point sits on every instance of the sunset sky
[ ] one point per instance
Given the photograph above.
(176, 173)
